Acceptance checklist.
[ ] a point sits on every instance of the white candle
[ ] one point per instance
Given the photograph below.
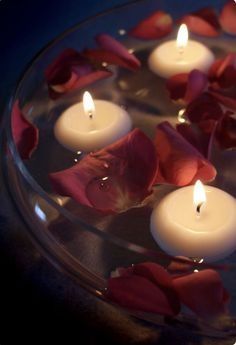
(199, 227)
(88, 126)
(180, 56)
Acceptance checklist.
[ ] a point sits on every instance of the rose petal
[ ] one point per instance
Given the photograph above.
(223, 71)
(109, 44)
(203, 293)
(71, 70)
(157, 25)
(179, 162)
(139, 293)
(104, 56)
(113, 179)
(161, 278)
(203, 22)
(202, 108)
(187, 86)
(228, 17)
(176, 86)
(176, 267)
(25, 134)
(226, 132)
(225, 97)
(201, 140)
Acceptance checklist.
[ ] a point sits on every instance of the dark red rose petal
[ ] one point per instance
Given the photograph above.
(109, 44)
(113, 179)
(228, 17)
(226, 132)
(222, 73)
(186, 86)
(179, 162)
(25, 135)
(203, 293)
(225, 97)
(139, 293)
(203, 22)
(157, 25)
(98, 55)
(203, 108)
(201, 139)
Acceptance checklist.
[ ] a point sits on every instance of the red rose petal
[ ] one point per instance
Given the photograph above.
(179, 162)
(109, 44)
(228, 17)
(176, 86)
(203, 22)
(139, 293)
(225, 97)
(98, 55)
(157, 25)
(71, 70)
(201, 140)
(226, 132)
(203, 293)
(223, 71)
(25, 135)
(187, 86)
(113, 179)
(202, 108)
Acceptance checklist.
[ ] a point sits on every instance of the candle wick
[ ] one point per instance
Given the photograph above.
(90, 114)
(199, 207)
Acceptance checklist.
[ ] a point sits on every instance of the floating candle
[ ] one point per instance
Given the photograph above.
(199, 226)
(180, 56)
(90, 125)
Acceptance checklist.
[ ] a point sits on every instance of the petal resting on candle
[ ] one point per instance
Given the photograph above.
(203, 22)
(146, 287)
(203, 293)
(179, 162)
(228, 17)
(157, 25)
(25, 135)
(69, 71)
(187, 86)
(113, 179)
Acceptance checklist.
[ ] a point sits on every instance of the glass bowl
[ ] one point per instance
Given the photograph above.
(76, 239)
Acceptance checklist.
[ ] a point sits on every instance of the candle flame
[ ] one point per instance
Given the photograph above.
(182, 36)
(88, 104)
(199, 195)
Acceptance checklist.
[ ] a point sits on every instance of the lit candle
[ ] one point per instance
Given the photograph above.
(90, 125)
(180, 56)
(197, 222)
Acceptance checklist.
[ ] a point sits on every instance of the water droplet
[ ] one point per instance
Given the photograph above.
(104, 64)
(75, 160)
(181, 117)
(79, 153)
(106, 165)
(131, 51)
(104, 184)
(122, 32)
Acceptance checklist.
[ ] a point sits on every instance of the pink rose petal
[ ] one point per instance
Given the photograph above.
(179, 162)
(109, 44)
(187, 87)
(157, 25)
(113, 179)
(228, 17)
(25, 134)
(203, 293)
(203, 22)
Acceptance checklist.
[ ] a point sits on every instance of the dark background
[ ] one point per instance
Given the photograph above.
(37, 303)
